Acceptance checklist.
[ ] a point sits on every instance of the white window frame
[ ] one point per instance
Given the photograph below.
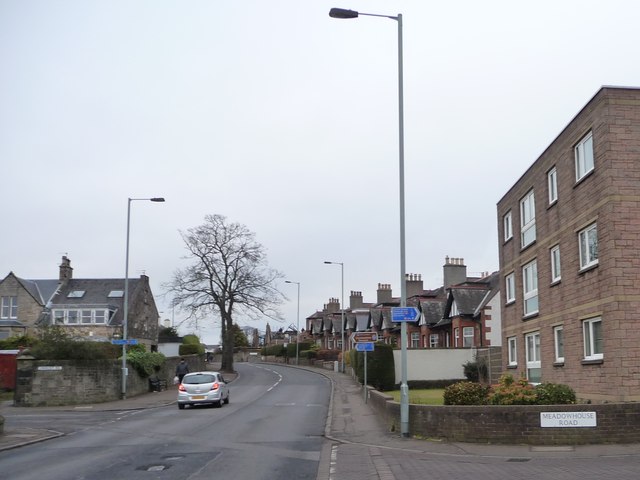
(512, 351)
(552, 184)
(528, 219)
(9, 307)
(592, 337)
(530, 288)
(510, 287)
(588, 250)
(532, 356)
(456, 337)
(339, 344)
(415, 339)
(584, 156)
(507, 223)
(558, 343)
(468, 334)
(433, 340)
(454, 310)
(556, 271)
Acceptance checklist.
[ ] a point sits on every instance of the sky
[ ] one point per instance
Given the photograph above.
(285, 120)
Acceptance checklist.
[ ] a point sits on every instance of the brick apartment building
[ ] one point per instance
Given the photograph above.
(569, 251)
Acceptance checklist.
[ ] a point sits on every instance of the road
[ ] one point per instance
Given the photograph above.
(272, 428)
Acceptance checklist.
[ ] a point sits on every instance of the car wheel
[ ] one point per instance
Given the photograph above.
(218, 404)
(226, 400)
(181, 406)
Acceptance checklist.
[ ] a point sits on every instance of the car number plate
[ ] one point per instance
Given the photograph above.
(197, 397)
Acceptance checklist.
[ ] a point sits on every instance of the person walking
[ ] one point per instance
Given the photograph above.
(181, 370)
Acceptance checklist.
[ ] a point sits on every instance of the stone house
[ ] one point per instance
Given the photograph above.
(569, 253)
(86, 308)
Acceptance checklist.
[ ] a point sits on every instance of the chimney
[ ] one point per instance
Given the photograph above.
(455, 271)
(384, 293)
(333, 306)
(355, 300)
(413, 282)
(66, 272)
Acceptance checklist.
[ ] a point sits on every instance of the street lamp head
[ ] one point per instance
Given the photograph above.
(342, 13)
(157, 199)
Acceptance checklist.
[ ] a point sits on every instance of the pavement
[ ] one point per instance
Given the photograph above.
(358, 443)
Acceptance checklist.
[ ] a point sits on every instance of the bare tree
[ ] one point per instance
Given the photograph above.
(229, 274)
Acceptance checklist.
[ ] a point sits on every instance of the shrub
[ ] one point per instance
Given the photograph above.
(466, 393)
(17, 341)
(554, 394)
(145, 363)
(512, 392)
(275, 350)
(191, 339)
(381, 373)
(471, 372)
(327, 355)
(56, 344)
(191, 349)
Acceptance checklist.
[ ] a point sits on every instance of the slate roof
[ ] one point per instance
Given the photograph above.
(95, 295)
(40, 290)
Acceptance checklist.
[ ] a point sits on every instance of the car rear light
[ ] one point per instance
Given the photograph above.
(215, 386)
(181, 388)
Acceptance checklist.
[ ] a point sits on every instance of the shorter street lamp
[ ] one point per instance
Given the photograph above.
(341, 307)
(125, 321)
(298, 319)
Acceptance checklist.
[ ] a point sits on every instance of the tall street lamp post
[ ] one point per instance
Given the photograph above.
(341, 308)
(125, 321)
(404, 388)
(298, 319)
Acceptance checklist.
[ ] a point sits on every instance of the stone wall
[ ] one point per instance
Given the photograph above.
(46, 383)
(513, 424)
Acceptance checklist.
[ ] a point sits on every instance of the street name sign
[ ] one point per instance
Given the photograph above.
(365, 347)
(129, 341)
(364, 337)
(404, 314)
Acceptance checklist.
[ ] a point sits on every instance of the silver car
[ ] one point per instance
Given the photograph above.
(203, 388)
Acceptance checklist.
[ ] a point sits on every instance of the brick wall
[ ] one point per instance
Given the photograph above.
(616, 423)
(609, 196)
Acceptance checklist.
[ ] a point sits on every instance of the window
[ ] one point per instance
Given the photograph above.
(9, 307)
(592, 331)
(552, 184)
(528, 219)
(558, 340)
(72, 316)
(415, 339)
(456, 337)
(584, 156)
(555, 264)
(433, 340)
(513, 353)
(116, 294)
(534, 372)
(530, 287)
(588, 239)
(467, 337)
(86, 316)
(510, 287)
(76, 294)
(508, 226)
(339, 344)
(99, 316)
(454, 310)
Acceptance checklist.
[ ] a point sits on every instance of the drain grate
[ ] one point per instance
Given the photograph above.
(518, 459)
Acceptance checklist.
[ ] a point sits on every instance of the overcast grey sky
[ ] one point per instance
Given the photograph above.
(285, 120)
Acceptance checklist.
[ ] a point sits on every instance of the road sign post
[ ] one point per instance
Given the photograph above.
(365, 347)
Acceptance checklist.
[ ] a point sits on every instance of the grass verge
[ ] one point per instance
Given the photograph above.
(431, 396)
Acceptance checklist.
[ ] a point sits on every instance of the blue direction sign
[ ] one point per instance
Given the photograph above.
(365, 347)
(404, 314)
(129, 341)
